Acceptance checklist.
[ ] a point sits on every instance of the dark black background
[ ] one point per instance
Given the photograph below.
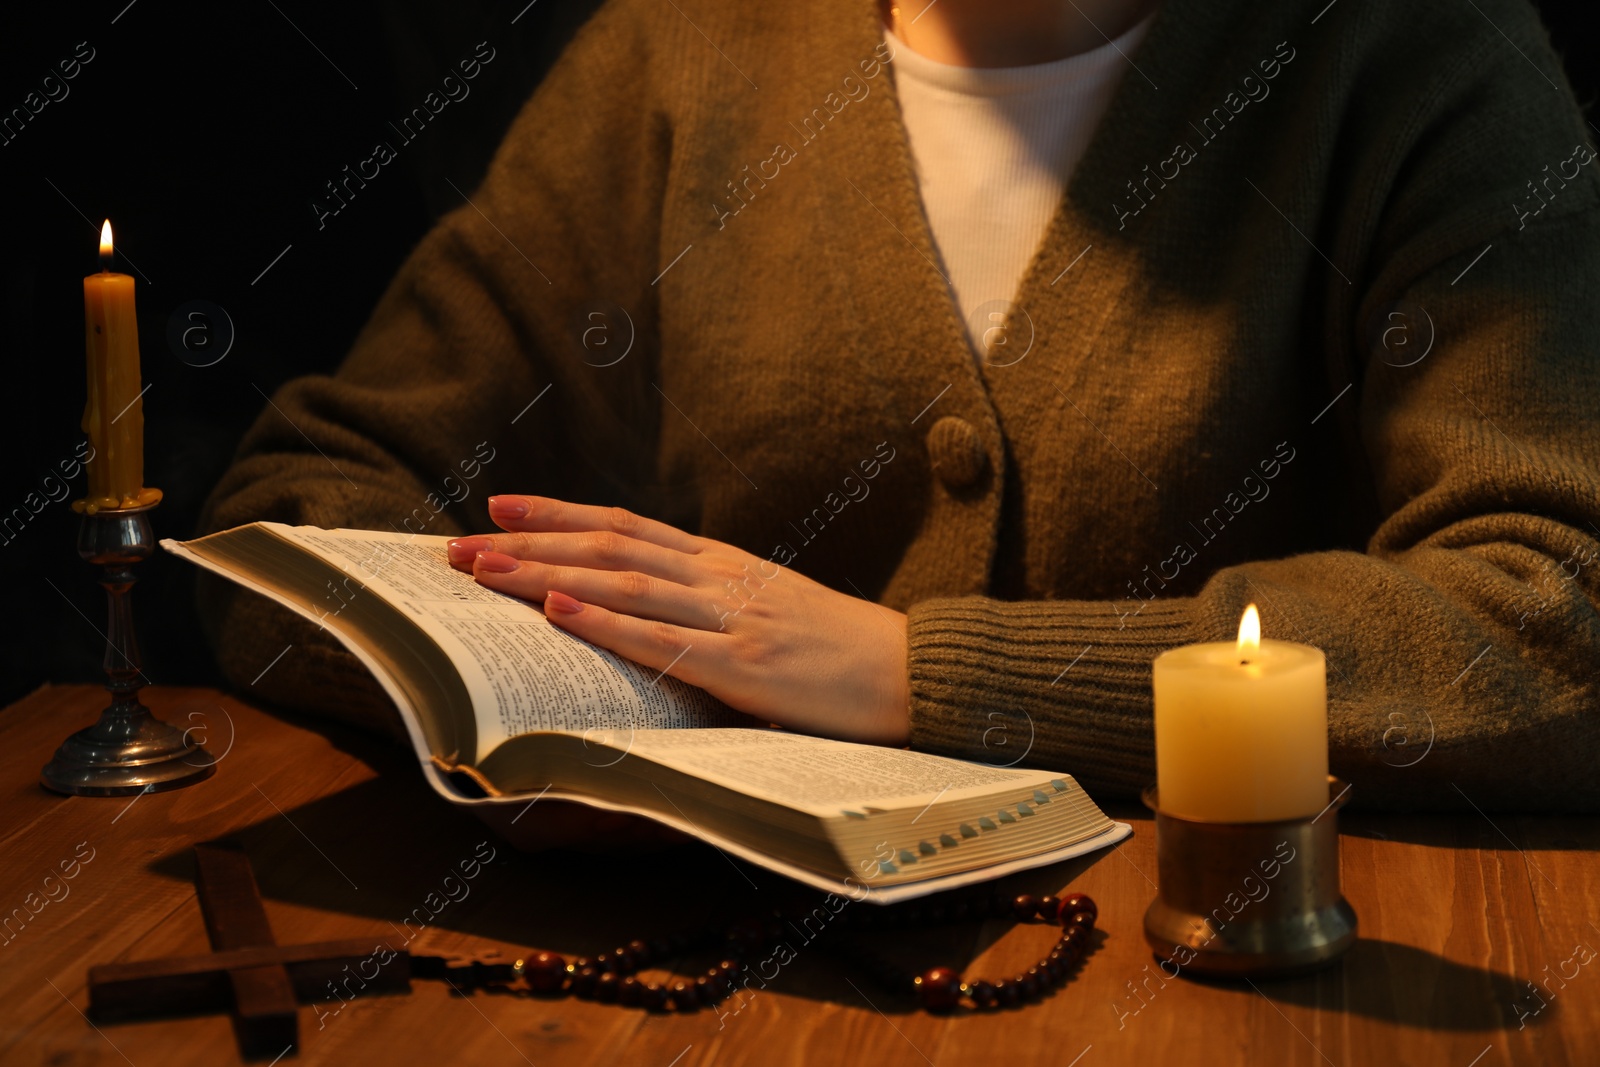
(204, 131)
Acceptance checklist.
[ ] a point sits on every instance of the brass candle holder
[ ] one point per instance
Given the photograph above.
(1246, 900)
(128, 750)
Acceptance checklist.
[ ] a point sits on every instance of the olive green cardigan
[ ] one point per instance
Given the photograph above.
(1313, 327)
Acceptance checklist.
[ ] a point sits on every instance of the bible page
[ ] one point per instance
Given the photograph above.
(524, 673)
(819, 775)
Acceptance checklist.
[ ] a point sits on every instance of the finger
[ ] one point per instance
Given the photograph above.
(629, 592)
(542, 513)
(689, 655)
(594, 549)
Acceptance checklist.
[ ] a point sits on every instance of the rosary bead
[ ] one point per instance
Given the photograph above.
(641, 953)
(630, 991)
(584, 980)
(1084, 919)
(544, 972)
(653, 997)
(1054, 967)
(1049, 909)
(605, 986)
(684, 996)
(626, 961)
(1024, 906)
(1006, 992)
(982, 994)
(1078, 902)
(604, 961)
(706, 990)
(718, 982)
(731, 968)
(1027, 984)
(938, 989)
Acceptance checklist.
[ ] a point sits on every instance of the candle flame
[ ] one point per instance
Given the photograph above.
(1249, 633)
(105, 238)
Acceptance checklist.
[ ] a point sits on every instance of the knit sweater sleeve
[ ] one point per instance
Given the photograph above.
(1463, 643)
(471, 375)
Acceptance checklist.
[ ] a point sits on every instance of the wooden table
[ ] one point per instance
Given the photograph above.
(1458, 915)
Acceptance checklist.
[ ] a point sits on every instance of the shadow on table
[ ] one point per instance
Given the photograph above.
(1476, 830)
(1401, 984)
(401, 862)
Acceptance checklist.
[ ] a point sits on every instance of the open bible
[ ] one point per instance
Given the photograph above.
(502, 707)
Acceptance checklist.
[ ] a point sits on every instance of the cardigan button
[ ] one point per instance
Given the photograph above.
(957, 452)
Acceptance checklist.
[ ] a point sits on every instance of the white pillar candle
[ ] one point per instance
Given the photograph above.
(1242, 729)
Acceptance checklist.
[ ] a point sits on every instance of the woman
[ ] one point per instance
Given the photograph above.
(1302, 321)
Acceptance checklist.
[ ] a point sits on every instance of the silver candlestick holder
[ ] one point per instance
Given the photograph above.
(1245, 900)
(128, 750)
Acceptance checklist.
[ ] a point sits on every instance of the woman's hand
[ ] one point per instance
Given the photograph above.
(762, 638)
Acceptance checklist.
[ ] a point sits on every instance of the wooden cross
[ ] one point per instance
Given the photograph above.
(258, 981)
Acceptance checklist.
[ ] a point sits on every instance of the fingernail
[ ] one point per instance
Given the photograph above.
(561, 604)
(497, 562)
(507, 507)
(462, 549)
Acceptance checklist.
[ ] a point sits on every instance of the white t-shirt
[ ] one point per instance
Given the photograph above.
(994, 148)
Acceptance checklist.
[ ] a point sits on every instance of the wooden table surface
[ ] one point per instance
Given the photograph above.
(1458, 916)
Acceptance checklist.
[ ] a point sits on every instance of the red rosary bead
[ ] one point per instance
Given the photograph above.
(938, 989)
(1024, 906)
(544, 972)
(584, 980)
(684, 996)
(718, 982)
(1078, 903)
